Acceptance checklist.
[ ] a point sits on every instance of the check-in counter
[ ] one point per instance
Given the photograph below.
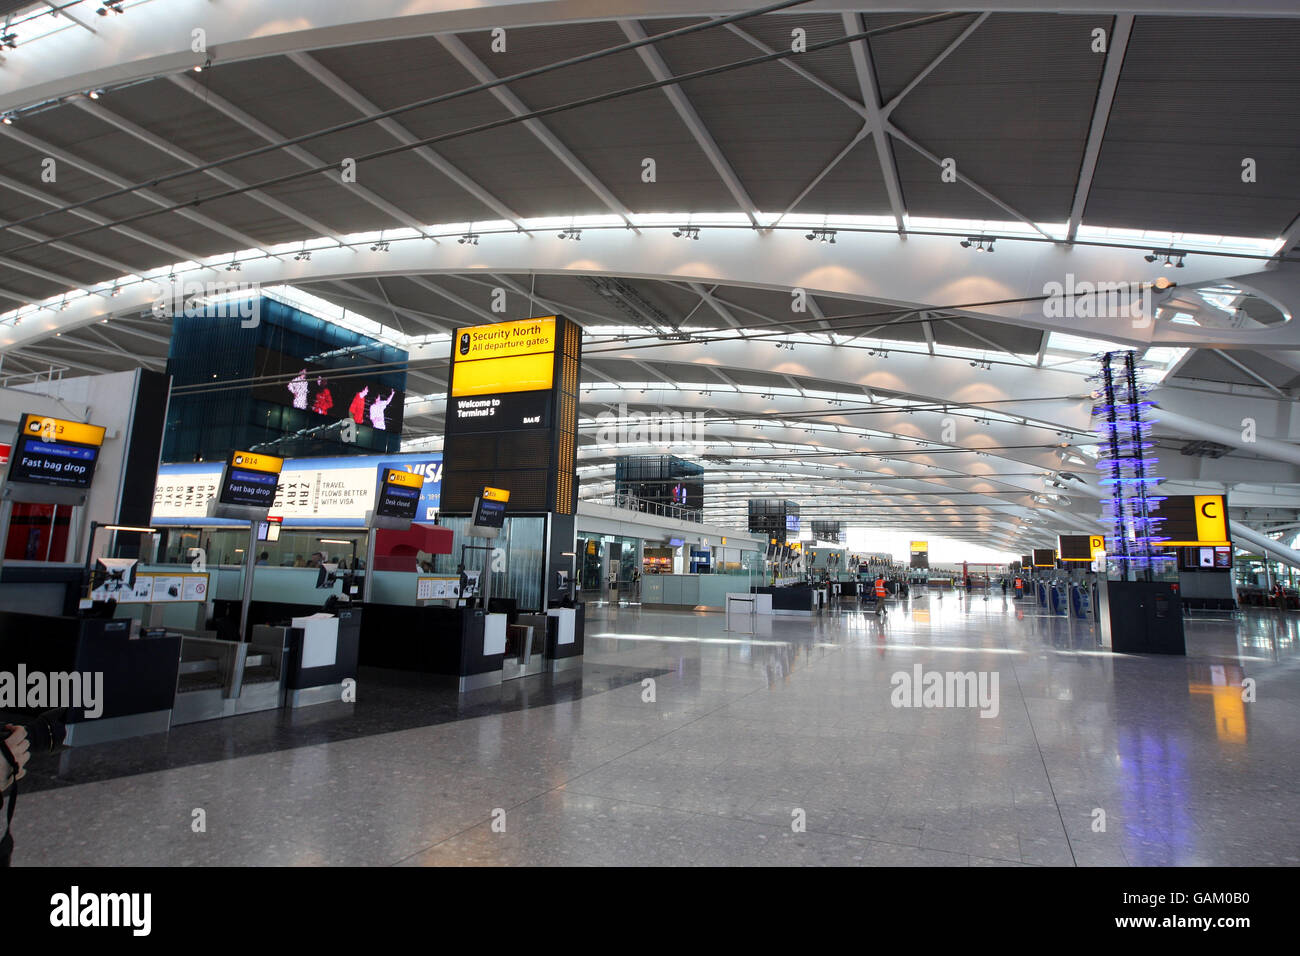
(404, 632)
(139, 673)
(699, 592)
(461, 643)
(322, 653)
(798, 600)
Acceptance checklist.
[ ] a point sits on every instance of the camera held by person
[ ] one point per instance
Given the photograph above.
(41, 734)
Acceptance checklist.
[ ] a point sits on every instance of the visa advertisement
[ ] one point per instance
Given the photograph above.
(312, 492)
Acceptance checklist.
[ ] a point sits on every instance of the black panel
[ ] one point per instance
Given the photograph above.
(144, 448)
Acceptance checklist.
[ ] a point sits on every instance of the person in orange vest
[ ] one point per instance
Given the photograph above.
(880, 593)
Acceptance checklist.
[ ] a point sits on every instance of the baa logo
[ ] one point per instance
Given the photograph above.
(464, 343)
(239, 459)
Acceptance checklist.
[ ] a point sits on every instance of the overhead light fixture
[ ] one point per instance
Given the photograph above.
(825, 235)
(1171, 257)
(206, 63)
(7, 119)
(470, 239)
(10, 40)
(981, 243)
(95, 94)
(234, 266)
(687, 232)
(303, 256)
(574, 234)
(110, 6)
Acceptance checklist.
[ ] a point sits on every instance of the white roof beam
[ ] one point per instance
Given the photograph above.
(148, 195)
(540, 130)
(1115, 51)
(58, 358)
(707, 296)
(68, 248)
(95, 109)
(350, 95)
(382, 301)
(249, 122)
(1249, 371)
(691, 119)
(892, 105)
(424, 283)
(182, 255)
(866, 71)
(988, 341)
(898, 134)
(861, 134)
(58, 11)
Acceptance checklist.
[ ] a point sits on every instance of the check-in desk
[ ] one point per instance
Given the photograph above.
(797, 600)
(465, 644)
(565, 649)
(305, 662)
(139, 673)
(322, 654)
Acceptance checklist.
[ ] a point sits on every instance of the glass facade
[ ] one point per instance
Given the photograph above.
(523, 541)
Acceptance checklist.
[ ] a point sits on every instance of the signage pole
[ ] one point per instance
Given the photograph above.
(371, 534)
(6, 509)
(250, 562)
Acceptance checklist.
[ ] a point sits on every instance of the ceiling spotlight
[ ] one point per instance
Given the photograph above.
(206, 63)
(687, 232)
(1171, 257)
(110, 6)
(10, 40)
(825, 235)
(116, 292)
(7, 119)
(303, 256)
(574, 234)
(95, 94)
(470, 239)
(980, 243)
(235, 266)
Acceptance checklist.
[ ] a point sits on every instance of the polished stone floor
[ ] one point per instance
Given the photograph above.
(783, 747)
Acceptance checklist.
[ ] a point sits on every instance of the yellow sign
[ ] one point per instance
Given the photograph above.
(57, 429)
(1211, 522)
(495, 494)
(920, 545)
(1096, 545)
(724, 539)
(405, 479)
(253, 461)
(504, 357)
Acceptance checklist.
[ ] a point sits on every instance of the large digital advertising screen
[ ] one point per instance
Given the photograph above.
(329, 393)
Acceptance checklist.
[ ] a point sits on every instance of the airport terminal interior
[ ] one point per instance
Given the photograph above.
(812, 433)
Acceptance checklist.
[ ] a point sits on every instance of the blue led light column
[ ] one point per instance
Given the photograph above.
(1123, 430)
